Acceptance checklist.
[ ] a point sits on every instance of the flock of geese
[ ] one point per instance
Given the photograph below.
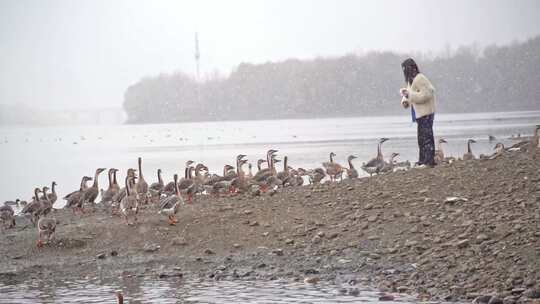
(168, 197)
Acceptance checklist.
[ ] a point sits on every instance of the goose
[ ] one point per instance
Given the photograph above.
(7, 215)
(389, 165)
(250, 171)
(158, 186)
(195, 184)
(169, 205)
(284, 175)
(46, 227)
(132, 174)
(261, 178)
(75, 199)
(141, 186)
(129, 205)
(376, 164)
(265, 173)
(112, 190)
(82, 187)
(46, 204)
(535, 139)
(33, 208)
(316, 175)
(333, 169)
(92, 192)
(52, 197)
(169, 188)
(351, 171)
(469, 155)
(439, 153)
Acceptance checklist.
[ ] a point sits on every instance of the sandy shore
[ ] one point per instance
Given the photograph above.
(397, 232)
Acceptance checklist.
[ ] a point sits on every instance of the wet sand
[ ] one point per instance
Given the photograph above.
(397, 232)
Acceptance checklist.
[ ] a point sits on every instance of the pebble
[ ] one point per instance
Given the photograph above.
(101, 256)
(312, 280)
(289, 241)
(151, 247)
(209, 251)
(495, 300)
(532, 293)
(386, 297)
(462, 243)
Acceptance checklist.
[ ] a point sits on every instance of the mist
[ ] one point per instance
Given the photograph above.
(64, 56)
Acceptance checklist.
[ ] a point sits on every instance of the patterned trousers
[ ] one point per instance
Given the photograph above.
(426, 142)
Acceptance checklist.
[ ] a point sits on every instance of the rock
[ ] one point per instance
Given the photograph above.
(454, 199)
(312, 280)
(178, 241)
(333, 235)
(372, 218)
(532, 293)
(114, 253)
(517, 291)
(253, 224)
(278, 252)
(236, 245)
(482, 237)
(289, 241)
(151, 247)
(495, 300)
(509, 300)
(402, 289)
(462, 243)
(101, 256)
(354, 291)
(386, 297)
(248, 212)
(482, 299)
(170, 274)
(208, 251)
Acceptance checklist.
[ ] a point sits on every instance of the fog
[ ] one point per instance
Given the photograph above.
(74, 55)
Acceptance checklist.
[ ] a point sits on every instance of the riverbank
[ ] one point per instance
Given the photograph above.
(455, 232)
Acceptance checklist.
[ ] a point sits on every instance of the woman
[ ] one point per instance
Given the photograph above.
(419, 95)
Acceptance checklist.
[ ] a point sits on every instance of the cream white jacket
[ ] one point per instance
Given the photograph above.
(422, 96)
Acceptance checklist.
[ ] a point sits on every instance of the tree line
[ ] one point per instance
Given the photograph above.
(497, 78)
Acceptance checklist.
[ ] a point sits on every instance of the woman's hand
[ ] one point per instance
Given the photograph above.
(404, 102)
(404, 92)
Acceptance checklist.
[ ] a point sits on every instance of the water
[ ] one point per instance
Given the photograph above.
(184, 291)
(32, 156)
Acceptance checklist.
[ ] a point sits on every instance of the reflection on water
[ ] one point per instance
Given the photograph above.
(186, 291)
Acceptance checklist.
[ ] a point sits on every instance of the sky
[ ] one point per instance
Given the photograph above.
(84, 54)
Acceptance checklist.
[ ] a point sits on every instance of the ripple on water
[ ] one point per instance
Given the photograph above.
(182, 291)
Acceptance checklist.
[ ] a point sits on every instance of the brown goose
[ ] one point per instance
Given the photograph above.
(7, 215)
(169, 188)
(33, 208)
(376, 164)
(112, 190)
(141, 186)
(169, 205)
(91, 193)
(351, 171)
(333, 169)
(439, 153)
(264, 173)
(52, 197)
(46, 227)
(158, 186)
(129, 205)
(75, 199)
(469, 155)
